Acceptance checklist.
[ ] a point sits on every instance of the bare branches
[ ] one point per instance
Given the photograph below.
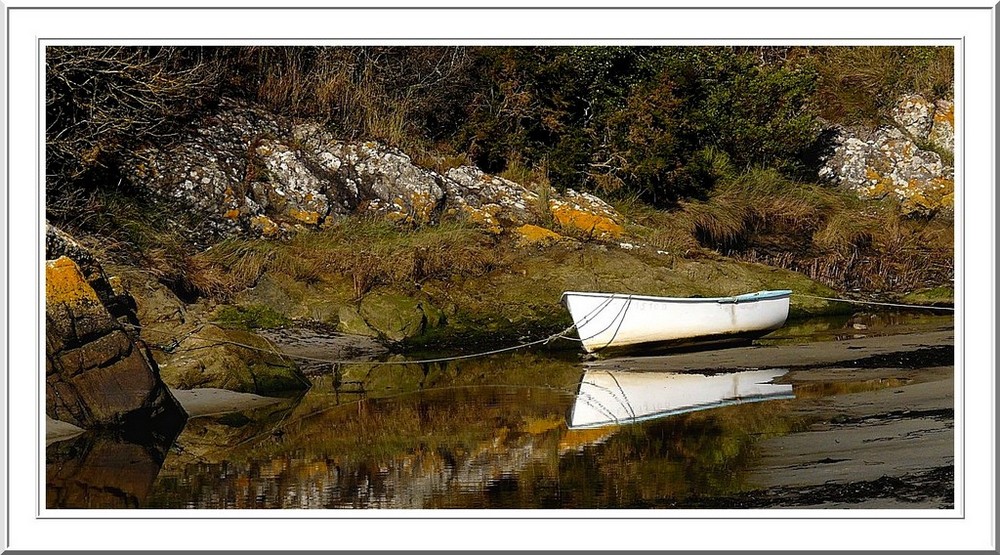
(101, 99)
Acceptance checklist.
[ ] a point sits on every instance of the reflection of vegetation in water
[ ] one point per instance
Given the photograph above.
(481, 447)
(481, 433)
(827, 389)
(845, 326)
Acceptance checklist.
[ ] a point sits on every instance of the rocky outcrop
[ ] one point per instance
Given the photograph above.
(98, 374)
(235, 360)
(889, 162)
(942, 132)
(247, 171)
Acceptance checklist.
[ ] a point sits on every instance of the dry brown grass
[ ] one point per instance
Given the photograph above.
(860, 84)
(827, 235)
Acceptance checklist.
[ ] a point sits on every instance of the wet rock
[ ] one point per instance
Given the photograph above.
(351, 322)
(98, 374)
(394, 317)
(236, 360)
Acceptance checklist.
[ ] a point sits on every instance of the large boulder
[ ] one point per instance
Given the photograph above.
(889, 162)
(98, 374)
(233, 359)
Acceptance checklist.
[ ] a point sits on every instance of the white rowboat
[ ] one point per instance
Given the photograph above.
(613, 397)
(608, 321)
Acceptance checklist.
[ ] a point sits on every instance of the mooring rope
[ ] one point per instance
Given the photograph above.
(897, 305)
(175, 342)
(283, 354)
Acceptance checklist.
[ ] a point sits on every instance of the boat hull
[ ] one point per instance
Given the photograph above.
(609, 398)
(609, 322)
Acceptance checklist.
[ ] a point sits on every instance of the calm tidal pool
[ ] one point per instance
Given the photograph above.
(546, 429)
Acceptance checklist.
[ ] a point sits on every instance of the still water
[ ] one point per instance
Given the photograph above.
(536, 429)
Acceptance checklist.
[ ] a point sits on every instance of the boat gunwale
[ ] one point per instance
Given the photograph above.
(744, 298)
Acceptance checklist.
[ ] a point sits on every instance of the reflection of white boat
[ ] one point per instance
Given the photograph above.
(609, 397)
(610, 321)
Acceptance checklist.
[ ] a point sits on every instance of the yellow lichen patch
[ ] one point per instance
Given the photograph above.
(879, 185)
(423, 205)
(264, 225)
(533, 235)
(64, 283)
(305, 216)
(232, 214)
(946, 115)
(591, 224)
(484, 219)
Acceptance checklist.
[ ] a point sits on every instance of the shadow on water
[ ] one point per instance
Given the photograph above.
(108, 470)
(533, 429)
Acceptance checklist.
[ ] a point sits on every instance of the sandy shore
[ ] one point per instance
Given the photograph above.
(207, 400)
(881, 436)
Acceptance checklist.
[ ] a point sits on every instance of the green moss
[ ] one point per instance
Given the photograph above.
(250, 317)
(934, 296)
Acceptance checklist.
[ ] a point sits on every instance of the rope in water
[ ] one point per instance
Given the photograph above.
(897, 305)
(214, 341)
(175, 342)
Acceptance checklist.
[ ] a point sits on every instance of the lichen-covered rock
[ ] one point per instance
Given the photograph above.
(207, 177)
(890, 164)
(943, 131)
(117, 301)
(914, 114)
(529, 234)
(491, 202)
(380, 179)
(585, 213)
(97, 372)
(246, 171)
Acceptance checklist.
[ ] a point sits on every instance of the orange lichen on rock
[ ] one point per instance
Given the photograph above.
(232, 214)
(265, 226)
(947, 114)
(485, 219)
(64, 283)
(587, 222)
(305, 216)
(529, 234)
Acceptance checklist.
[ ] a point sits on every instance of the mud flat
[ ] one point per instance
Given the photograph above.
(876, 422)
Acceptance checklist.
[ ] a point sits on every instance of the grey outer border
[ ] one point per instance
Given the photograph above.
(6, 273)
